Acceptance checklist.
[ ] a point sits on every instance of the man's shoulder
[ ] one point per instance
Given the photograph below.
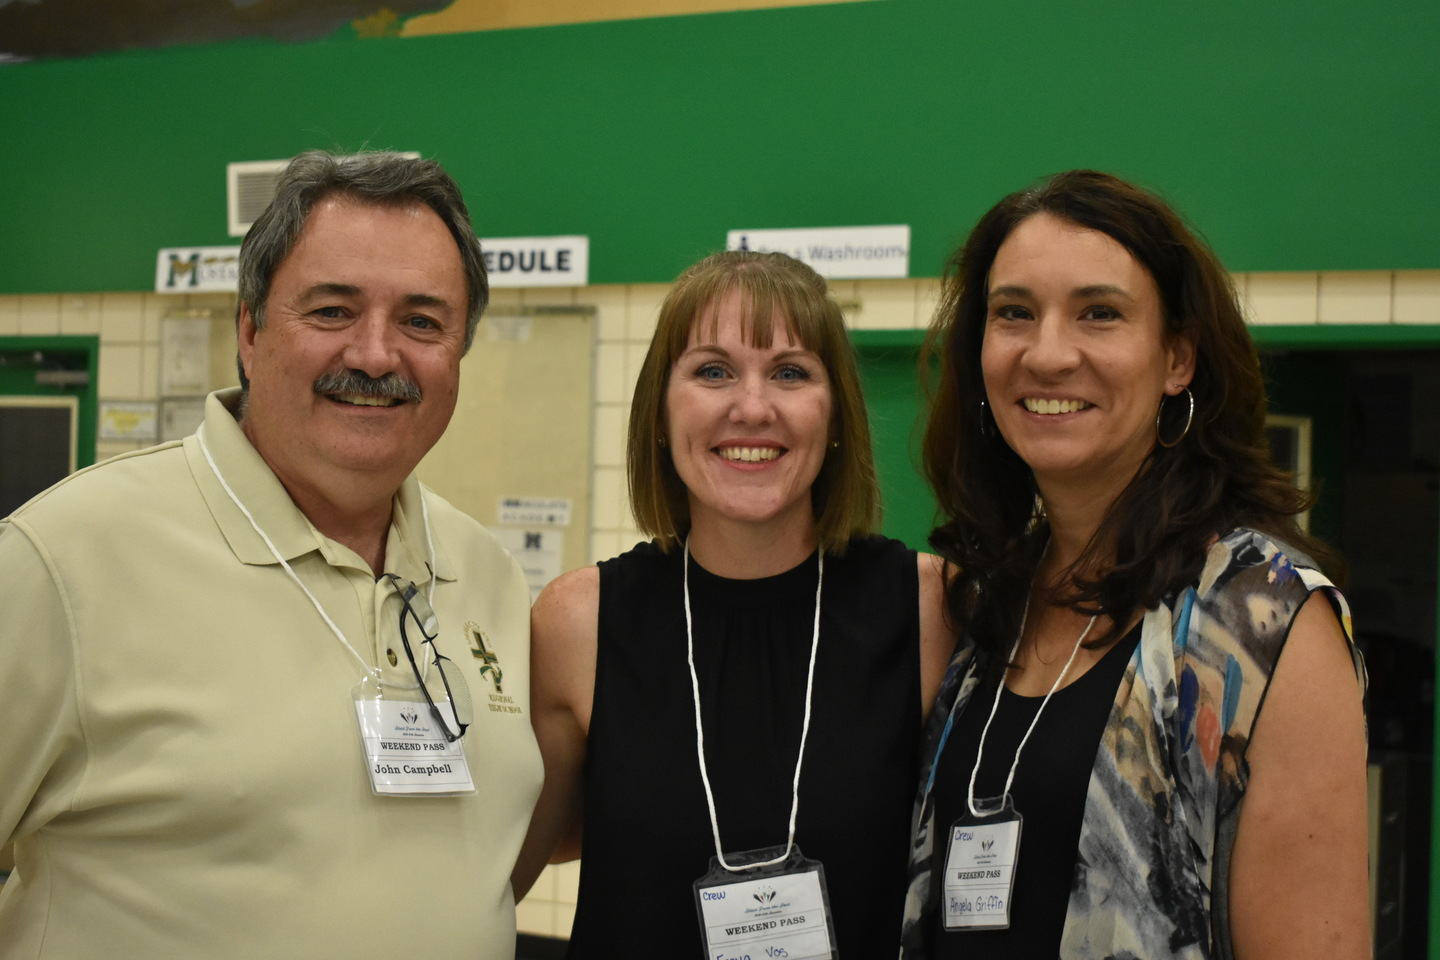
(112, 488)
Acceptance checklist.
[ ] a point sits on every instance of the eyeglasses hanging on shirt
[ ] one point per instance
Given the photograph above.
(417, 609)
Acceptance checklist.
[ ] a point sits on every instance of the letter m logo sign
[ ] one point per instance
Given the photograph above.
(184, 271)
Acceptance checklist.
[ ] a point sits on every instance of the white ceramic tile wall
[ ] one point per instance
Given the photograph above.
(1283, 297)
(39, 315)
(1417, 296)
(1356, 296)
(120, 372)
(610, 379)
(123, 317)
(9, 316)
(609, 301)
(80, 314)
(886, 305)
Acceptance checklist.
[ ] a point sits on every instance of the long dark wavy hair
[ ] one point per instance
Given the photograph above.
(1153, 540)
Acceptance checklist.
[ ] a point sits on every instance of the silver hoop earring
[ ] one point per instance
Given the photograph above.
(1189, 416)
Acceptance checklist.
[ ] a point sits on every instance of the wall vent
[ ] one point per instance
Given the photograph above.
(249, 188)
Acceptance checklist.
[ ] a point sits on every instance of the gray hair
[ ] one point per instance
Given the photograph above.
(388, 179)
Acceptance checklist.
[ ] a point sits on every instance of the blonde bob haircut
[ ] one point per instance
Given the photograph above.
(776, 288)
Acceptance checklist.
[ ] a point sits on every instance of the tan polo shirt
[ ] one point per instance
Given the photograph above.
(180, 765)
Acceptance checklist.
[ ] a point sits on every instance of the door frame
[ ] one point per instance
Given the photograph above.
(87, 396)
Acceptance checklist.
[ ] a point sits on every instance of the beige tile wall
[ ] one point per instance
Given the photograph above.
(129, 329)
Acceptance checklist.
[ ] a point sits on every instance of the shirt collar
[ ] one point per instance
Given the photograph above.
(262, 493)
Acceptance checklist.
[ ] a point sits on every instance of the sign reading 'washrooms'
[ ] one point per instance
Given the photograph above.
(836, 252)
(537, 261)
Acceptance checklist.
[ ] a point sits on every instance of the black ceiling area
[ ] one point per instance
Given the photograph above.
(31, 29)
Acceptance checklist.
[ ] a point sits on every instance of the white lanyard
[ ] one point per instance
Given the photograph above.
(700, 730)
(980, 750)
(339, 635)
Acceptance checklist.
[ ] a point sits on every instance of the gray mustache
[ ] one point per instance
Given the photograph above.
(392, 386)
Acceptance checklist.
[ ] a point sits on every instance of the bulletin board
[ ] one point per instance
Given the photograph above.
(522, 431)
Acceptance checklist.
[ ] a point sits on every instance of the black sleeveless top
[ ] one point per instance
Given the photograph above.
(647, 832)
(1048, 792)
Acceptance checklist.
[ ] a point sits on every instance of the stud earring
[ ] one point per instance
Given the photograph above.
(988, 428)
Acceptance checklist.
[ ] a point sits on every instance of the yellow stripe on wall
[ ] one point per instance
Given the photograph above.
(468, 15)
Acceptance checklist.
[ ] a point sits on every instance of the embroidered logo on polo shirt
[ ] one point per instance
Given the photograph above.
(489, 660)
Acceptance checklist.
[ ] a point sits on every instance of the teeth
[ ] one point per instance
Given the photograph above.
(1054, 406)
(749, 454)
(362, 401)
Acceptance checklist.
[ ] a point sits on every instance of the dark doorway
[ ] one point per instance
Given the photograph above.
(37, 446)
(47, 412)
(1376, 457)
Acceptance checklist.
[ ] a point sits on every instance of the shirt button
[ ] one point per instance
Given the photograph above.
(393, 659)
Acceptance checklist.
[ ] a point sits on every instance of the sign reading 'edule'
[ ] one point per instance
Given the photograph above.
(537, 261)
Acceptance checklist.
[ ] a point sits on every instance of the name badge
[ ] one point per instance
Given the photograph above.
(406, 753)
(782, 910)
(980, 871)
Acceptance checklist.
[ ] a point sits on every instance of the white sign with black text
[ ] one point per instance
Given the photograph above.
(839, 253)
(197, 270)
(538, 551)
(537, 261)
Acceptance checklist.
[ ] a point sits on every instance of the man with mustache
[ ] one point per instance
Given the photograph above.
(243, 704)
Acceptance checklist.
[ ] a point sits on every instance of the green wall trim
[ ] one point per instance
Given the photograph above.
(87, 419)
(1355, 336)
(908, 339)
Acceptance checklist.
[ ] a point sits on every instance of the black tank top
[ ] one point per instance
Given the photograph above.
(1048, 792)
(647, 832)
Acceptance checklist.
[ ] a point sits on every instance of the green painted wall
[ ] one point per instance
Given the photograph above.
(895, 401)
(1298, 134)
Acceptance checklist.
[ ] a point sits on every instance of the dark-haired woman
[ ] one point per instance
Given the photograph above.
(732, 711)
(1150, 741)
